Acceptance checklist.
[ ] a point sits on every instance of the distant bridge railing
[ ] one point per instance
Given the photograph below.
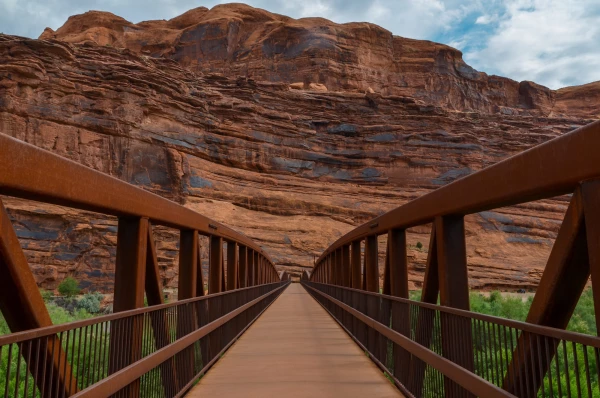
(565, 165)
(31, 173)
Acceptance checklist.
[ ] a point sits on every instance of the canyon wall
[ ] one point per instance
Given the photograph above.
(239, 40)
(293, 169)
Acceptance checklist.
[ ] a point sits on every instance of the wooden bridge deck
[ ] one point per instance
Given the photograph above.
(295, 349)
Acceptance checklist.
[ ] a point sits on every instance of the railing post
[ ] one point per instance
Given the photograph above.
(250, 267)
(454, 292)
(371, 276)
(130, 279)
(160, 326)
(337, 267)
(355, 265)
(188, 264)
(187, 288)
(243, 266)
(346, 266)
(398, 285)
(425, 317)
(232, 266)
(256, 274)
(215, 275)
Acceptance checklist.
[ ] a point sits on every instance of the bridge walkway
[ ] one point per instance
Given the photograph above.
(295, 349)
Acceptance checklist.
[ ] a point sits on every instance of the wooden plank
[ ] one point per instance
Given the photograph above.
(265, 364)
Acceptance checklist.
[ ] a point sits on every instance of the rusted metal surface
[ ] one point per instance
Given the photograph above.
(590, 194)
(215, 272)
(118, 342)
(355, 265)
(243, 266)
(188, 264)
(371, 276)
(153, 285)
(23, 308)
(233, 270)
(64, 182)
(563, 165)
(550, 169)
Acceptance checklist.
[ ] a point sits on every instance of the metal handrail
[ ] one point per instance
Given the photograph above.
(580, 338)
(563, 163)
(64, 182)
(468, 380)
(18, 337)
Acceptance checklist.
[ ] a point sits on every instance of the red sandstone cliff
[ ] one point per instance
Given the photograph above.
(293, 169)
(239, 40)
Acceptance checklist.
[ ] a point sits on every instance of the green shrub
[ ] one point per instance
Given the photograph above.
(68, 287)
(419, 245)
(46, 295)
(90, 302)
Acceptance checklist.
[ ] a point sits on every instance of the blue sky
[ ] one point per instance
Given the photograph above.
(554, 43)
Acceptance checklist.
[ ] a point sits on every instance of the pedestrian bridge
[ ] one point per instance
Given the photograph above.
(346, 329)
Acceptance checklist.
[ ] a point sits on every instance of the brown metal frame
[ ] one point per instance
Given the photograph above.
(66, 183)
(567, 164)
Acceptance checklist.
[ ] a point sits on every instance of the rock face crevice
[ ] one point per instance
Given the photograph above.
(291, 167)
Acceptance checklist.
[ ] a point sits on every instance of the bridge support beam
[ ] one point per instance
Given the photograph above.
(154, 294)
(243, 266)
(355, 265)
(425, 317)
(232, 266)
(396, 284)
(215, 276)
(446, 274)
(130, 281)
(574, 257)
(371, 276)
(346, 265)
(23, 308)
(454, 292)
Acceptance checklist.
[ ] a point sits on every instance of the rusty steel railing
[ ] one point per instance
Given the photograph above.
(564, 364)
(565, 165)
(30, 173)
(157, 351)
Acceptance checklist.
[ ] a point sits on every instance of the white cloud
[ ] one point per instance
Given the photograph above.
(485, 19)
(554, 43)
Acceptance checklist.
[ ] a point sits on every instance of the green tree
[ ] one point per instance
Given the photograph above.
(68, 287)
